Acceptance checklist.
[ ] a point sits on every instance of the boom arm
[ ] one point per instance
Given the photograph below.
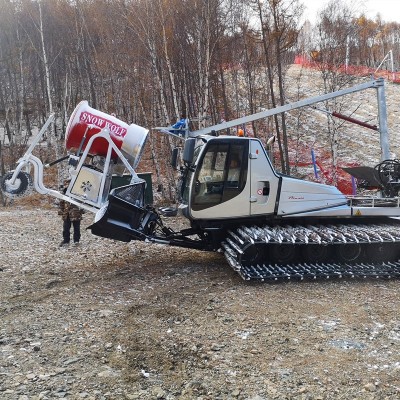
(377, 84)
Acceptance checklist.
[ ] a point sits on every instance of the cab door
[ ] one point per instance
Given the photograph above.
(220, 187)
(264, 182)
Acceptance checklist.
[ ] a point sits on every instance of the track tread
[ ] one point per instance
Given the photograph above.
(245, 237)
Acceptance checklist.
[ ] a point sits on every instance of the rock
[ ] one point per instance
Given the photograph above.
(217, 347)
(235, 393)
(108, 373)
(71, 361)
(158, 392)
(129, 396)
(370, 387)
(108, 346)
(105, 313)
(145, 374)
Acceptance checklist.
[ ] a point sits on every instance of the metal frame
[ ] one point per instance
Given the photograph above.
(75, 171)
(29, 159)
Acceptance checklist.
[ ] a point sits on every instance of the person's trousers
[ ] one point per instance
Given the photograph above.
(67, 230)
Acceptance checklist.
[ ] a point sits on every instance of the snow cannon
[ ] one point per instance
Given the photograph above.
(85, 122)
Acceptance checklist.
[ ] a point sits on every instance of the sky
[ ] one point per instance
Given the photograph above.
(389, 9)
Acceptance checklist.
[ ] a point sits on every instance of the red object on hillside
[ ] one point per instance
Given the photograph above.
(339, 178)
(358, 70)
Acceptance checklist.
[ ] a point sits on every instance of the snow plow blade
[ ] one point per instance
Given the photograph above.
(125, 217)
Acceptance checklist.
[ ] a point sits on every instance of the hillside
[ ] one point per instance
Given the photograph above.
(356, 144)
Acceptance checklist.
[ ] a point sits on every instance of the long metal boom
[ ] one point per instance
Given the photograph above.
(375, 83)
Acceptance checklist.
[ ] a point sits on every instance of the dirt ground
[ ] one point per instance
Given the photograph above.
(110, 320)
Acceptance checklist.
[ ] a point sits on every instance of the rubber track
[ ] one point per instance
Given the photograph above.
(276, 273)
(244, 237)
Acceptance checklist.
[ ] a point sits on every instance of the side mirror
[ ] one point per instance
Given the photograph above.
(174, 158)
(270, 145)
(271, 141)
(188, 150)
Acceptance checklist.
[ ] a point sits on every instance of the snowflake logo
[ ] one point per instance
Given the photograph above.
(86, 186)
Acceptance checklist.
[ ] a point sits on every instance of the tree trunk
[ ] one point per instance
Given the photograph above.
(271, 88)
(46, 69)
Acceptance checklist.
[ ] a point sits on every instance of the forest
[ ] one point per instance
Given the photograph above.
(152, 62)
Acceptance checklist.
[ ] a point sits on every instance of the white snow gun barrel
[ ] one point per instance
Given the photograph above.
(86, 122)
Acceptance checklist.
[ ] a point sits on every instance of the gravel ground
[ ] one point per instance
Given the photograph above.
(109, 320)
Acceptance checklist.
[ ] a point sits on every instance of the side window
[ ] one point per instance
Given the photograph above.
(213, 166)
(235, 166)
(220, 175)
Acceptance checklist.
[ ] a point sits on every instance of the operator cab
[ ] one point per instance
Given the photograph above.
(217, 174)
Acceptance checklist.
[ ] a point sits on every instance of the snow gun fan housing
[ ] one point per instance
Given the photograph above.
(85, 122)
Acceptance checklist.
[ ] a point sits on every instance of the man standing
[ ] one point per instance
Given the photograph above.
(71, 216)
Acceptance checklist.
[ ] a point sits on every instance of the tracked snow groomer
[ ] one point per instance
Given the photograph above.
(269, 226)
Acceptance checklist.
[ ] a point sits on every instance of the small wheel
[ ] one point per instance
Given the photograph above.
(253, 255)
(283, 253)
(315, 253)
(382, 252)
(349, 252)
(21, 185)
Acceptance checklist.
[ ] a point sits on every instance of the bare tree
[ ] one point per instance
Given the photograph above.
(279, 28)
